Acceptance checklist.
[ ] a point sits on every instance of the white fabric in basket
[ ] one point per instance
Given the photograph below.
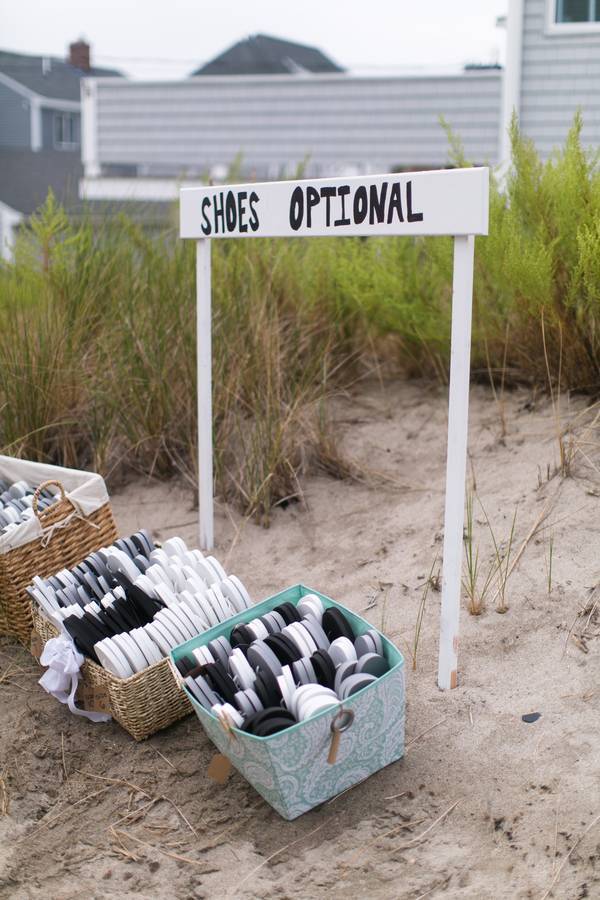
(86, 491)
(64, 662)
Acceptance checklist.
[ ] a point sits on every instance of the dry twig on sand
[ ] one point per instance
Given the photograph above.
(427, 730)
(122, 781)
(420, 837)
(62, 750)
(277, 853)
(395, 796)
(180, 814)
(122, 849)
(120, 835)
(134, 814)
(568, 856)
(440, 884)
(4, 797)
(589, 609)
(68, 809)
(391, 832)
(542, 516)
(168, 761)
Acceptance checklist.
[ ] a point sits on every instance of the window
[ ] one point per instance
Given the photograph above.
(569, 12)
(65, 137)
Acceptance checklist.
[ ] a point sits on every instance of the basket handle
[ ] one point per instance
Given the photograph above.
(38, 491)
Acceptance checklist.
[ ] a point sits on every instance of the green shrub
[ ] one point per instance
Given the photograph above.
(97, 328)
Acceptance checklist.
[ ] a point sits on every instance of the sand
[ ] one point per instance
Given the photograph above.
(484, 805)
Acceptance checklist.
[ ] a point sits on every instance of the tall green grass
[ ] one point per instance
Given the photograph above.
(97, 329)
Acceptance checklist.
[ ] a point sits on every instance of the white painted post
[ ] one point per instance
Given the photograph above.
(89, 128)
(458, 420)
(204, 375)
(35, 124)
(448, 202)
(511, 86)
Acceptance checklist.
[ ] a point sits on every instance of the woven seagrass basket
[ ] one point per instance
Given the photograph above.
(67, 539)
(142, 704)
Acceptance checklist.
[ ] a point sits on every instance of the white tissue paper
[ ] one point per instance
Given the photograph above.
(64, 662)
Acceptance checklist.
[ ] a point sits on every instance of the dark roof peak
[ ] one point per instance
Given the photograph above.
(263, 54)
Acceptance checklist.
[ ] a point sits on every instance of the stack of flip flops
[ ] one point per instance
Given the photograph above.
(126, 606)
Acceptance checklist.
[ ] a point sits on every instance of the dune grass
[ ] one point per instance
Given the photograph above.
(97, 330)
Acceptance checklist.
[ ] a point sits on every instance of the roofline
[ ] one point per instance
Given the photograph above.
(271, 37)
(40, 99)
(142, 189)
(8, 208)
(309, 77)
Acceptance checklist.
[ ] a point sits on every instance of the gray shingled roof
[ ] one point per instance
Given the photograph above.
(264, 55)
(26, 176)
(54, 78)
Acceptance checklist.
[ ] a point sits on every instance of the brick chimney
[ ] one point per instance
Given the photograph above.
(79, 55)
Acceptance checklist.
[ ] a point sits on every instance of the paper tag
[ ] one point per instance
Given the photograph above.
(219, 768)
(334, 747)
(340, 722)
(37, 645)
(93, 698)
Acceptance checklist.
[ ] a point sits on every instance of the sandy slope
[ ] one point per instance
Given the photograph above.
(525, 793)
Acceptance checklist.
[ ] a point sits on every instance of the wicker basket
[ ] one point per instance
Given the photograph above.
(142, 704)
(62, 546)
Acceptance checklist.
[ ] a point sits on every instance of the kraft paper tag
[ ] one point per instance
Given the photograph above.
(341, 722)
(334, 747)
(219, 768)
(37, 645)
(94, 699)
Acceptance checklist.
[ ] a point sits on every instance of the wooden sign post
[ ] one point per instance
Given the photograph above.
(449, 202)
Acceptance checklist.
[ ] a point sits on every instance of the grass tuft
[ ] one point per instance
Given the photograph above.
(97, 331)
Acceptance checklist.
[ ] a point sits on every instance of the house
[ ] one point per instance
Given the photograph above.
(552, 69)
(40, 131)
(25, 178)
(141, 138)
(267, 126)
(261, 54)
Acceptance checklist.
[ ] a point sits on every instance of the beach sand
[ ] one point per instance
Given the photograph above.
(484, 805)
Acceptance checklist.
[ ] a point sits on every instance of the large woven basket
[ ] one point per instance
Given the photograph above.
(68, 538)
(142, 704)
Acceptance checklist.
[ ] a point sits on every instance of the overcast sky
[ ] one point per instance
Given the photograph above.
(167, 38)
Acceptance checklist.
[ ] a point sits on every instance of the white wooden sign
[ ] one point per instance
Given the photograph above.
(449, 202)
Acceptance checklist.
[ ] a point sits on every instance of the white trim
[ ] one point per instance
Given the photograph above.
(4, 207)
(68, 106)
(35, 124)
(17, 87)
(51, 102)
(89, 129)
(204, 398)
(9, 220)
(456, 461)
(567, 29)
(152, 189)
(358, 75)
(511, 88)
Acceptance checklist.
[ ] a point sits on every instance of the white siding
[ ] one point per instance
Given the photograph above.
(560, 72)
(340, 122)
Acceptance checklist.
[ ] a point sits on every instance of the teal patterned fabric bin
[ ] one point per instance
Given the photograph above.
(290, 769)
